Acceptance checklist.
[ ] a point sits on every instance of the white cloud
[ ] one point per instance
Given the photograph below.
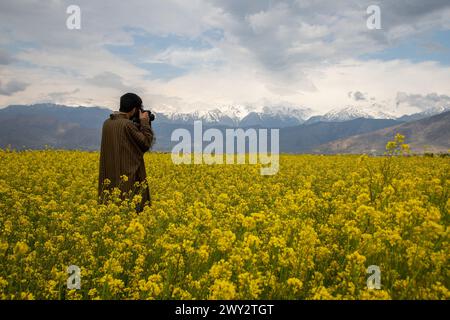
(380, 79)
(423, 102)
(189, 57)
(296, 52)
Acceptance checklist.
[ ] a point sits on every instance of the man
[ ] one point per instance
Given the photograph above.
(122, 151)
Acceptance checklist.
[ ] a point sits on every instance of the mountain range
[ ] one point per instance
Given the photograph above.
(268, 117)
(430, 134)
(58, 126)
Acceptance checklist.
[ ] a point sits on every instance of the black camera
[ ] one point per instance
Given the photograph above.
(135, 118)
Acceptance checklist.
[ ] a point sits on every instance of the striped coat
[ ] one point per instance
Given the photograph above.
(122, 153)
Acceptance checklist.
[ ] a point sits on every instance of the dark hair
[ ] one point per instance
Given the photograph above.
(129, 101)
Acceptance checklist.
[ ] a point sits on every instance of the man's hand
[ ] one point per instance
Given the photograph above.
(143, 116)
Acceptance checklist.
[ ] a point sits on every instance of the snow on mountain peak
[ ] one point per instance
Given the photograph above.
(436, 110)
(232, 115)
(279, 116)
(353, 112)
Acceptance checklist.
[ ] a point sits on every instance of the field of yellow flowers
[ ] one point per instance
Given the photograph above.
(225, 231)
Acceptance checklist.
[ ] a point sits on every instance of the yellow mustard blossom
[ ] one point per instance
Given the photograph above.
(226, 232)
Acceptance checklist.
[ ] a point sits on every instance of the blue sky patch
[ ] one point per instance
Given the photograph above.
(429, 47)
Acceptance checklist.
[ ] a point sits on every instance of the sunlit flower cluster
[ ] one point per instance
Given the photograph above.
(225, 231)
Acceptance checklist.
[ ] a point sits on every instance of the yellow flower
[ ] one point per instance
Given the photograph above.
(3, 247)
(20, 248)
(295, 284)
(203, 252)
(136, 230)
(222, 290)
(225, 231)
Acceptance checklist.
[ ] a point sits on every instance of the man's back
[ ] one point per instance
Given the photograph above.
(122, 153)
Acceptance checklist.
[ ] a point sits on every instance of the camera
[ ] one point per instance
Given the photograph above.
(135, 118)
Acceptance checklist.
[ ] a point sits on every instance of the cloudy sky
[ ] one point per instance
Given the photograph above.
(197, 54)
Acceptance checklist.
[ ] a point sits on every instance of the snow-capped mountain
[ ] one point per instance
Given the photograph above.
(283, 116)
(276, 117)
(350, 113)
(236, 113)
(435, 110)
(301, 114)
(180, 117)
(214, 116)
(40, 125)
(217, 116)
(424, 114)
(234, 116)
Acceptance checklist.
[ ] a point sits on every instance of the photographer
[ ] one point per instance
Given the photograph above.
(126, 136)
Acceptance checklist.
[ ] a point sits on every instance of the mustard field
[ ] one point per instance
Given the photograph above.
(225, 231)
